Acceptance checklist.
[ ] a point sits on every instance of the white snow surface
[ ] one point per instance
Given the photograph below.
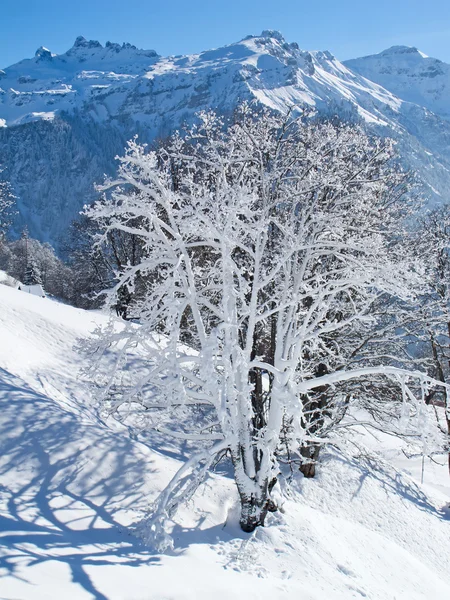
(35, 289)
(71, 487)
(6, 279)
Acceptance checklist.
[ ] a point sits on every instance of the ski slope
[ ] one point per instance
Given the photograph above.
(72, 486)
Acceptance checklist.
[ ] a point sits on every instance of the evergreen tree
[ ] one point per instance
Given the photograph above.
(32, 275)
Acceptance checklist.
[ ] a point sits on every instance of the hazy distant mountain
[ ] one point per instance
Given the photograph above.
(65, 117)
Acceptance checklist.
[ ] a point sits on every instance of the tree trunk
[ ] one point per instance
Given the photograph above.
(254, 497)
(441, 377)
(311, 454)
(447, 406)
(447, 409)
(314, 408)
(253, 512)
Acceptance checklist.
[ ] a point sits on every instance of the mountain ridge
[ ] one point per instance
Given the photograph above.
(87, 101)
(409, 74)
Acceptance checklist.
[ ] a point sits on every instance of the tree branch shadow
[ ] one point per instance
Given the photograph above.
(54, 504)
(391, 480)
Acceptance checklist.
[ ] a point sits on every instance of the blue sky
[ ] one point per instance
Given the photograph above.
(346, 28)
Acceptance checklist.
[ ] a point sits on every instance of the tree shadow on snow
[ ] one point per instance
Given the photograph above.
(393, 481)
(223, 532)
(63, 482)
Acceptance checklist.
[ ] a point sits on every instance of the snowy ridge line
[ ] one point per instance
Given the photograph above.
(83, 105)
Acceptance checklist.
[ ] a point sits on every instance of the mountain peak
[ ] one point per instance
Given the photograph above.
(43, 53)
(409, 74)
(273, 34)
(122, 90)
(410, 53)
(117, 47)
(393, 50)
(267, 34)
(82, 42)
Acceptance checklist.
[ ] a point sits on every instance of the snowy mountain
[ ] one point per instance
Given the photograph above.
(72, 486)
(122, 83)
(65, 117)
(39, 87)
(409, 74)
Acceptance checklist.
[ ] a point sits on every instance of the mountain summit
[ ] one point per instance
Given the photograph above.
(409, 74)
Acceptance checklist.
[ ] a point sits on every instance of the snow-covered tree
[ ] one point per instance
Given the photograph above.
(266, 244)
(389, 336)
(35, 263)
(431, 317)
(6, 204)
(32, 275)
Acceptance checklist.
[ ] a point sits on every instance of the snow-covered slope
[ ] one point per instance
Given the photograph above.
(6, 279)
(409, 74)
(70, 486)
(65, 117)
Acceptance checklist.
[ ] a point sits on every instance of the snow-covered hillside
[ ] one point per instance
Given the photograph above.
(65, 117)
(70, 487)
